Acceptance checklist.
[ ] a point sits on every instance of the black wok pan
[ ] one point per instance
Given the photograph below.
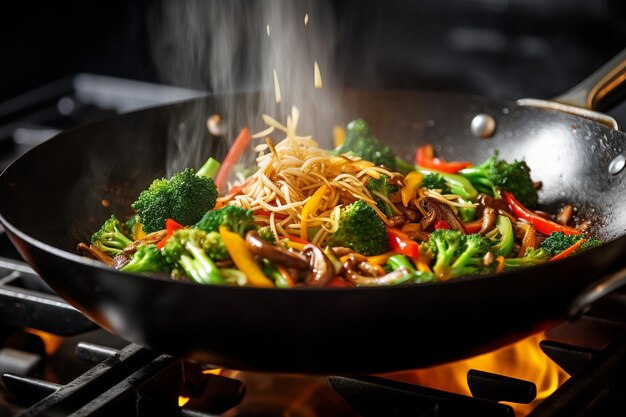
(51, 200)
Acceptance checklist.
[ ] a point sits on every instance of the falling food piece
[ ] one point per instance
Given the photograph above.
(267, 28)
(276, 88)
(214, 125)
(105, 203)
(306, 19)
(317, 76)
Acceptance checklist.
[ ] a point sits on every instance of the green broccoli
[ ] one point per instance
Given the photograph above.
(267, 235)
(360, 229)
(435, 181)
(531, 257)
(557, 242)
(185, 198)
(214, 247)
(235, 218)
(417, 277)
(360, 141)
(185, 249)
(457, 184)
(590, 243)
(131, 224)
(147, 258)
(457, 254)
(494, 175)
(380, 186)
(112, 237)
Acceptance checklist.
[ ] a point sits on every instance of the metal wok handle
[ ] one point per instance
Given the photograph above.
(602, 89)
(596, 291)
(598, 92)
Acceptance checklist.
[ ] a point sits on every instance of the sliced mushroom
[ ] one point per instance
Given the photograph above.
(321, 268)
(529, 239)
(340, 251)
(121, 259)
(149, 239)
(438, 211)
(543, 214)
(489, 220)
(396, 221)
(565, 215)
(414, 232)
(348, 269)
(485, 200)
(276, 254)
(410, 214)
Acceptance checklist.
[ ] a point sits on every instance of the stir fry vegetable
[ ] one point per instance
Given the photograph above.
(355, 216)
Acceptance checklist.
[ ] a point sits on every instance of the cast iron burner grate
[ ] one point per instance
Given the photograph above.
(133, 381)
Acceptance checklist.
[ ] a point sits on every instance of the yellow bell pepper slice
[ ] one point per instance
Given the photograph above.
(243, 259)
(411, 182)
(380, 259)
(311, 207)
(339, 135)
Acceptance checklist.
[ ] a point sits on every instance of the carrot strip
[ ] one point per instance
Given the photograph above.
(500, 261)
(234, 154)
(567, 252)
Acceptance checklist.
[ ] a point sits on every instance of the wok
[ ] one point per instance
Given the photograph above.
(52, 199)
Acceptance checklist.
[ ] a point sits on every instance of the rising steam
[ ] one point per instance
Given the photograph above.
(240, 46)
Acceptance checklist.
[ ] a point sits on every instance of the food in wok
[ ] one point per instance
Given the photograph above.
(357, 215)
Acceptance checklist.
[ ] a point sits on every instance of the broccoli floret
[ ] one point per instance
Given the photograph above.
(235, 218)
(360, 141)
(557, 242)
(185, 198)
(380, 186)
(147, 258)
(132, 225)
(590, 243)
(112, 237)
(267, 235)
(531, 257)
(457, 184)
(192, 195)
(435, 181)
(214, 247)
(360, 229)
(457, 254)
(494, 175)
(185, 249)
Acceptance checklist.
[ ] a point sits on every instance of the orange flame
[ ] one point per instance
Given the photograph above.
(522, 360)
(51, 342)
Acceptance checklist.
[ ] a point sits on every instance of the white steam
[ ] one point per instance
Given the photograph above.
(242, 46)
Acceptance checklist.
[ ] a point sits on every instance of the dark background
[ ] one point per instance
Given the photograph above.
(501, 48)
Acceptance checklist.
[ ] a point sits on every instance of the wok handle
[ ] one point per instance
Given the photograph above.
(596, 291)
(601, 90)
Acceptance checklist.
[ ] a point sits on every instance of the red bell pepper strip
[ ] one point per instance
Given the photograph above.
(473, 227)
(442, 224)
(399, 242)
(232, 157)
(425, 157)
(171, 226)
(567, 252)
(543, 225)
